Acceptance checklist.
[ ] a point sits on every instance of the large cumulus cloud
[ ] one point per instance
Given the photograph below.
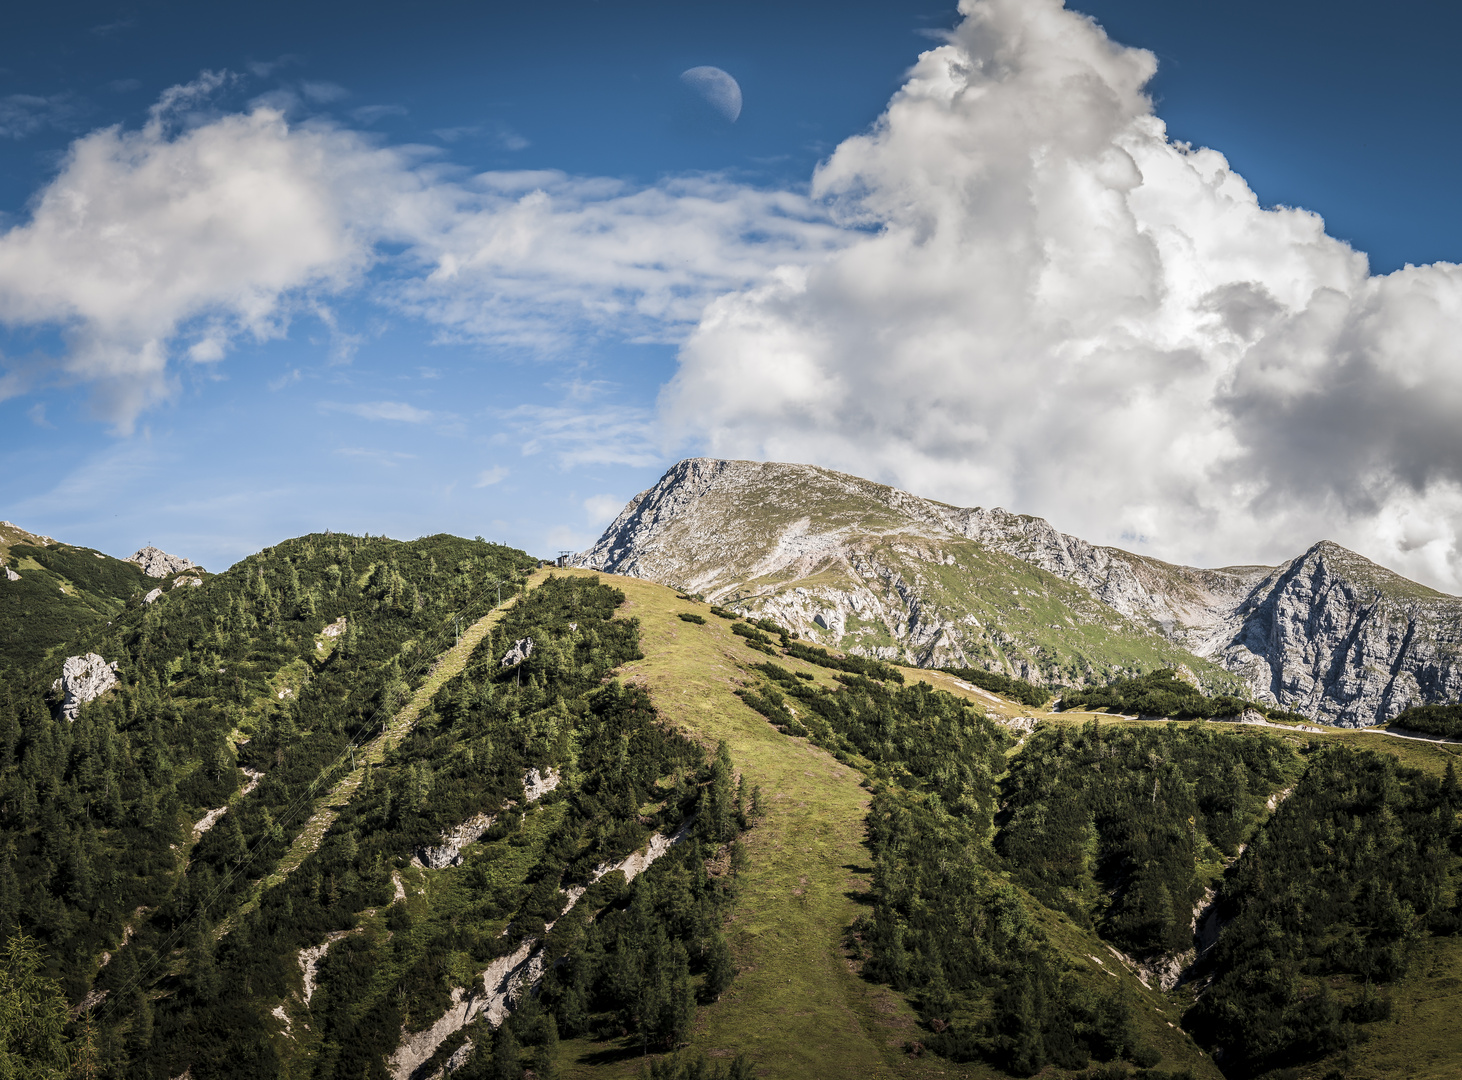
(1052, 306)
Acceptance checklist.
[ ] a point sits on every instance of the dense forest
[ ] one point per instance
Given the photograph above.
(1328, 906)
(1159, 693)
(1133, 832)
(1441, 720)
(237, 674)
(59, 588)
(541, 856)
(1124, 828)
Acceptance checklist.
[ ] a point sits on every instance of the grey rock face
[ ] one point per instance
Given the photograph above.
(152, 596)
(1338, 638)
(1329, 634)
(83, 679)
(11, 575)
(158, 563)
(449, 851)
(521, 650)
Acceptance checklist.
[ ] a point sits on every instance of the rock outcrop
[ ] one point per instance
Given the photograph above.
(83, 679)
(11, 575)
(158, 563)
(521, 650)
(880, 572)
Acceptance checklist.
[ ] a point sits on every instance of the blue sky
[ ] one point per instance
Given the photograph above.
(377, 378)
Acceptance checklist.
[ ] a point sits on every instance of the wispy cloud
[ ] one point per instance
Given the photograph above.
(389, 458)
(398, 411)
(369, 114)
(616, 435)
(114, 27)
(322, 93)
(495, 475)
(497, 131)
(601, 509)
(26, 114)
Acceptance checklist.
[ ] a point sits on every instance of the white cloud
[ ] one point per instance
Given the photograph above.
(602, 509)
(613, 435)
(175, 241)
(389, 458)
(539, 259)
(397, 411)
(155, 242)
(1053, 307)
(495, 475)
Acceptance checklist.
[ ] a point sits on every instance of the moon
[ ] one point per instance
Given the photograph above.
(719, 89)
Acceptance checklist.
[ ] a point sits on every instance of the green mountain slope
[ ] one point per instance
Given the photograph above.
(313, 834)
(53, 592)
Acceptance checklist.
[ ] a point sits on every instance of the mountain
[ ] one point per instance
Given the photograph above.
(50, 592)
(339, 813)
(881, 572)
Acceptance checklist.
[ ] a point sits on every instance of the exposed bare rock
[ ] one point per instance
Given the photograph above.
(449, 851)
(11, 575)
(158, 563)
(879, 572)
(521, 650)
(509, 978)
(311, 958)
(336, 628)
(152, 596)
(536, 785)
(187, 580)
(83, 679)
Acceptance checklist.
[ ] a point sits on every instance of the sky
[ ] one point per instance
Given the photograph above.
(1176, 277)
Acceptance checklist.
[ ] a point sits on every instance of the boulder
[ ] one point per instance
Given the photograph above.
(150, 597)
(83, 679)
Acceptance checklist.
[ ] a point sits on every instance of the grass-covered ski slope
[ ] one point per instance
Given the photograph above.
(799, 1007)
(448, 665)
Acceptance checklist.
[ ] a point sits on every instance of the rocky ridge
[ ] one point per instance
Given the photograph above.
(882, 572)
(158, 563)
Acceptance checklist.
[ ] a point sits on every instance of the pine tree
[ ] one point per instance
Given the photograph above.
(33, 1014)
(720, 968)
(545, 1059)
(506, 1056)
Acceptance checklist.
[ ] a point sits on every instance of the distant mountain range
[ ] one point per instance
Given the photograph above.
(880, 572)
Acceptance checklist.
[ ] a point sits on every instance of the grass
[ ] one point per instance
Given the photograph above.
(798, 1008)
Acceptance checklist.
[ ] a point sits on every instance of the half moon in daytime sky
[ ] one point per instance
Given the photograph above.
(720, 90)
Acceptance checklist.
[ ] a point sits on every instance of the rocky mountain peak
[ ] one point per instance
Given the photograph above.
(883, 572)
(158, 563)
